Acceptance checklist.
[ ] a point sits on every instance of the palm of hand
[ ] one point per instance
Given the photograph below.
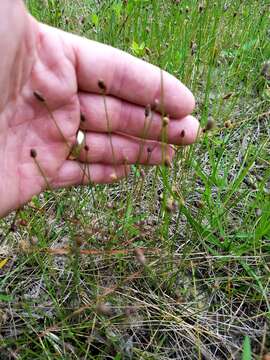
(29, 124)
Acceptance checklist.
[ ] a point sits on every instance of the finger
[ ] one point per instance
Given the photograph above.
(74, 173)
(130, 119)
(118, 149)
(128, 77)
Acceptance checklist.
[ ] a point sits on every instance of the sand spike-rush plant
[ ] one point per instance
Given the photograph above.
(73, 150)
(34, 156)
(148, 118)
(103, 88)
(184, 309)
(42, 100)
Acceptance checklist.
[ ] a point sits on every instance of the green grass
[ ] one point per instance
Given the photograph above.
(204, 287)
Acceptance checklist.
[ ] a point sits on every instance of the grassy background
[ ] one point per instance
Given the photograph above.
(201, 282)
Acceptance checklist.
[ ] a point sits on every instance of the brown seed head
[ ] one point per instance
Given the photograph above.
(101, 85)
(33, 153)
(33, 240)
(171, 205)
(165, 121)
(82, 117)
(82, 20)
(155, 106)
(111, 205)
(179, 297)
(258, 212)
(227, 96)
(201, 7)
(130, 310)
(210, 124)
(4, 317)
(148, 51)
(193, 47)
(13, 227)
(147, 110)
(39, 96)
(142, 173)
(228, 124)
(24, 246)
(139, 253)
(198, 204)
(266, 70)
(23, 222)
(113, 177)
(167, 161)
(78, 241)
(104, 309)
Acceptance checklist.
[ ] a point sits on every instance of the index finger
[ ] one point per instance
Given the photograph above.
(129, 78)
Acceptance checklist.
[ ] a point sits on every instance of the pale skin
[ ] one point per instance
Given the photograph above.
(65, 70)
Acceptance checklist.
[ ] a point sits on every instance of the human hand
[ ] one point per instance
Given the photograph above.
(49, 81)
